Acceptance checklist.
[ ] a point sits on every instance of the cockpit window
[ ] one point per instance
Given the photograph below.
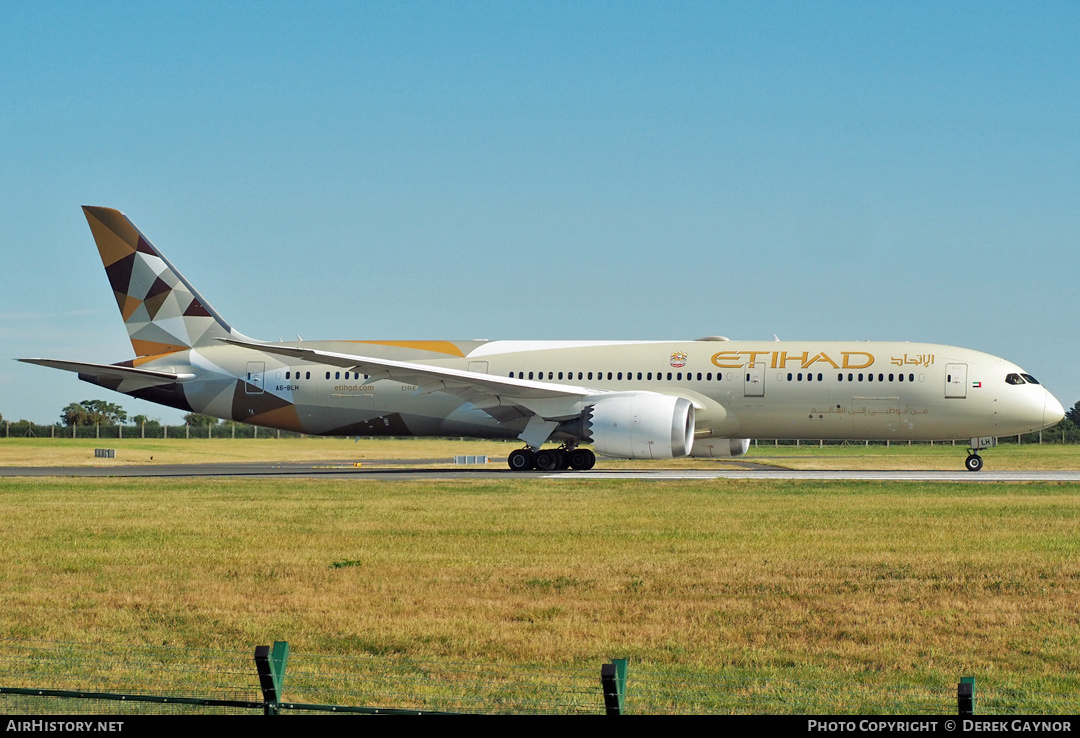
(1014, 379)
(1030, 378)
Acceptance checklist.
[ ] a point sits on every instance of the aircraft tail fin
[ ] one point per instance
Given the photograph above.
(162, 311)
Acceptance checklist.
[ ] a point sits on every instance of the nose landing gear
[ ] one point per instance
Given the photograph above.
(974, 462)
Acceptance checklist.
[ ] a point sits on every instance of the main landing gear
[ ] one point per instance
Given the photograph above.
(550, 459)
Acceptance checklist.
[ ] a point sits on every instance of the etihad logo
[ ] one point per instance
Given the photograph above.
(678, 359)
(785, 359)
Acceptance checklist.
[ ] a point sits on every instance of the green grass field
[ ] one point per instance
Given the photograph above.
(852, 583)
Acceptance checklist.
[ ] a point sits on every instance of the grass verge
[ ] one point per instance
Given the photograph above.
(850, 582)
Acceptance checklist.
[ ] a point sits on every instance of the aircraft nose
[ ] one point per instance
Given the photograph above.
(1053, 412)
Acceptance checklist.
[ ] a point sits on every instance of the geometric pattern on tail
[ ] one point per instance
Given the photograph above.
(162, 311)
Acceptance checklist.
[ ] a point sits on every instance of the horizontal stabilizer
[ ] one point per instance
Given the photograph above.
(111, 371)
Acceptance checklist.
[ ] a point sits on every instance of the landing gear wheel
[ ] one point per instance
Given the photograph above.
(974, 462)
(582, 459)
(546, 459)
(520, 460)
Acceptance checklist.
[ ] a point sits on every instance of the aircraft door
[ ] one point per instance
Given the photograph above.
(956, 380)
(754, 379)
(254, 383)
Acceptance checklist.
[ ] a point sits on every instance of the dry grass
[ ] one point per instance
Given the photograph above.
(80, 452)
(905, 582)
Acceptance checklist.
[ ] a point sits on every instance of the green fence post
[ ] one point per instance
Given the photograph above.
(271, 667)
(613, 678)
(965, 696)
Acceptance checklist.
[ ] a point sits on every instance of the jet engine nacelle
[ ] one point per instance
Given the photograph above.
(642, 425)
(720, 448)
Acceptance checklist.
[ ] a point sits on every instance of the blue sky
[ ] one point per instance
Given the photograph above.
(884, 171)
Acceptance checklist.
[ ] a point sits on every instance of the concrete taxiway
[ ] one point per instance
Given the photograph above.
(440, 469)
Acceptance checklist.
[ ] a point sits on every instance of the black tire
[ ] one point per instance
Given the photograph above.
(546, 460)
(520, 460)
(974, 462)
(582, 459)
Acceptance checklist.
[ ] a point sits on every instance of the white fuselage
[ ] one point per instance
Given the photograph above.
(740, 389)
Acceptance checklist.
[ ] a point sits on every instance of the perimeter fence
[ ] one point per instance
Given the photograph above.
(1063, 434)
(23, 429)
(42, 677)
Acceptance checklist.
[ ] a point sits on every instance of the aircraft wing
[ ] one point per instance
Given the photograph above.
(498, 396)
(113, 372)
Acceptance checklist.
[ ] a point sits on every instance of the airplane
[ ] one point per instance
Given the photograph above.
(627, 399)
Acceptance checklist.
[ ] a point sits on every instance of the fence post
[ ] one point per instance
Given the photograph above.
(271, 667)
(613, 679)
(965, 696)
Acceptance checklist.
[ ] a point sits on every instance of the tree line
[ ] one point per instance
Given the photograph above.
(100, 412)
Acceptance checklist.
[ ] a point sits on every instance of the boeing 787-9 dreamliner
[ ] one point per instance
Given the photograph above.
(625, 399)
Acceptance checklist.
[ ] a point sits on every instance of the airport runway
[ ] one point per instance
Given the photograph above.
(442, 469)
